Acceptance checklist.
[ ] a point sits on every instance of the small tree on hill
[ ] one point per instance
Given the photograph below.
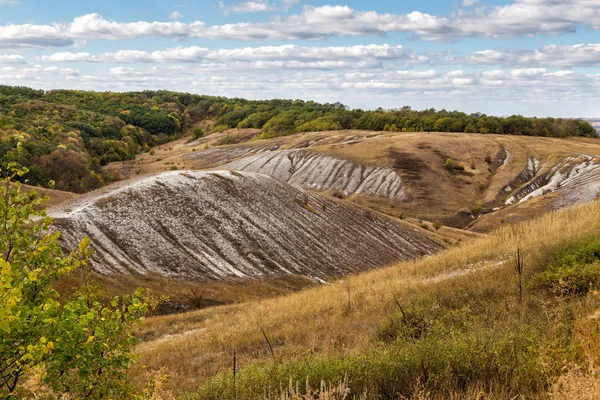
(76, 345)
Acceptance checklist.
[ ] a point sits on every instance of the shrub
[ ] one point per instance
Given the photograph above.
(81, 345)
(437, 225)
(338, 194)
(478, 209)
(227, 139)
(197, 133)
(573, 268)
(450, 164)
(220, 128)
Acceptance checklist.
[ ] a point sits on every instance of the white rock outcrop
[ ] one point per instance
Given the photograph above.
(316, 171)
(218, 224)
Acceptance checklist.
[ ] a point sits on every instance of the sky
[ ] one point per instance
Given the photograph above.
(500, 57)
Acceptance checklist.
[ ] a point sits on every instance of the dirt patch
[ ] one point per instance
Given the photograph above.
(412, 167)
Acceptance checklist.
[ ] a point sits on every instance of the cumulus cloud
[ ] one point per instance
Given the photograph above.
(518, 90)
(175, 15)
(11, 59)
(247, 7)
(521, 18)
(292, 56)
(580, 55)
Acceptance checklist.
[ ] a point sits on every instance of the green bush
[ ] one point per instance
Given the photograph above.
(450, 164)
(227, 139)
(573, 268)
(197, 133)
(219, 128)
(80, 345)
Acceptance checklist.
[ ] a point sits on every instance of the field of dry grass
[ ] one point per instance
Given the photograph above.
(342, 318)
(55, 197)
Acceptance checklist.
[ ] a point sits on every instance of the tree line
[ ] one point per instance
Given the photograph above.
(67, 136)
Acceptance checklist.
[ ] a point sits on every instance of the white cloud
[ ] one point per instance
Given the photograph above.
(522, 90)
(175, 15)
(247, 7)
(581, 55)
(292, 56)
(253, 6)
(11, 59)
(521, 18)
(8, 2)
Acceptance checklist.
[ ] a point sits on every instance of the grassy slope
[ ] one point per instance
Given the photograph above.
(418, 157)
(343, 318)
(55, 197)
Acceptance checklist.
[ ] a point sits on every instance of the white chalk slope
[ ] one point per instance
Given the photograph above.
(576, 179)
(219, 225)
(316, 171)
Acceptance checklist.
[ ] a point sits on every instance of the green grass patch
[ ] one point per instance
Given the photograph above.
(573, 268)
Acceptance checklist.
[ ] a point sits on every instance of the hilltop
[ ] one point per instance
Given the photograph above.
(68, 136)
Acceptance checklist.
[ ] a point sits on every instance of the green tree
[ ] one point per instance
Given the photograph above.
(75, 344)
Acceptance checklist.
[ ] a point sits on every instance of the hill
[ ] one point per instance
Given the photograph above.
(495, 179)
(222, 225)
(448, 326)
(67, 136)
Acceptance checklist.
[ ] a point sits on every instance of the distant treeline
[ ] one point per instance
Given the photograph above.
(67, 135)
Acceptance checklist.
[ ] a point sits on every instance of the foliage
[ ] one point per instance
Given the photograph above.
(103, 127)
(197, 133)
(574, 268)
(450, 164)
(79, 346)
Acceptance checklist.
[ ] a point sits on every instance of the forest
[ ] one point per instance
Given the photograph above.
(64, 137)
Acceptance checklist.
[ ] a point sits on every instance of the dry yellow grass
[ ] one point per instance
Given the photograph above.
(55, 197)
(344, 315)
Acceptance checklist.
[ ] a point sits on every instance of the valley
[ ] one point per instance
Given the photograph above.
(315, 255)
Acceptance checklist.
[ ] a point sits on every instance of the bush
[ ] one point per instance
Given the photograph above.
(79, 346)
(450, 164)
(197, 133)
(228, 139)
(573, 268)
(220, 128)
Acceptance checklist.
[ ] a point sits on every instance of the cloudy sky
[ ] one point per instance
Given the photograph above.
(530, 57)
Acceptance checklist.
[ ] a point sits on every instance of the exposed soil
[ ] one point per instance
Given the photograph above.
(221, 225)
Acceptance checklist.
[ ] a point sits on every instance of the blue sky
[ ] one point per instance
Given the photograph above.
(531, 57)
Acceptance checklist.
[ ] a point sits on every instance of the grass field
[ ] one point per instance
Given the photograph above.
(357, 318)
